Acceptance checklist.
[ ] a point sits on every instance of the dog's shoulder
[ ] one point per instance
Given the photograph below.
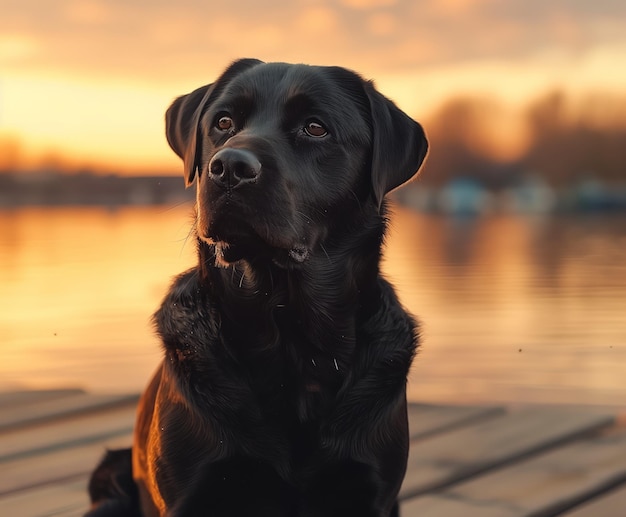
(185, 316)
(390, 333)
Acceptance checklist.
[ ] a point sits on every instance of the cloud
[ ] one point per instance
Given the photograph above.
(319, 21)
(87, 12)
(189, 41)
(17, 47)
(162, 39)
(381, 24)
(367, 4)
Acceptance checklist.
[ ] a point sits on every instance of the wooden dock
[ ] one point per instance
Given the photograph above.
(465, 461)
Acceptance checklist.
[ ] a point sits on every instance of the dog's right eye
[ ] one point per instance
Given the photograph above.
(224, 123)
(315, 129)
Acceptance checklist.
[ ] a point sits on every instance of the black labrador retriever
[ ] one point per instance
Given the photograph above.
(282, 391)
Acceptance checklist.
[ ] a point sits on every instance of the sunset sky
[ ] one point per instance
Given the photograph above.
(85, 83)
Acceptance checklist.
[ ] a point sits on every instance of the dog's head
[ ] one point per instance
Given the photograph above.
(280, 151)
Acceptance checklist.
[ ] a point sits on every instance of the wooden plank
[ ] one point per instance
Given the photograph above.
(66, 433)
(438, 461)
(63, 500)
(21, 398)
(60, 407)
(47, 468)
(428, 419)
(540, 486)
(62, 464)
(441, 506)
(55, 466)
(612, 504)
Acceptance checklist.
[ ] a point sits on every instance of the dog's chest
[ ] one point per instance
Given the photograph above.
(295, 387)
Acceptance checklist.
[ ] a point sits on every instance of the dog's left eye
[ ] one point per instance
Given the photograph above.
(315, 129)
(224, 123)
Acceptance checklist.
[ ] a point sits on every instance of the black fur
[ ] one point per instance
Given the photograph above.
(112, 487)
(282, 391)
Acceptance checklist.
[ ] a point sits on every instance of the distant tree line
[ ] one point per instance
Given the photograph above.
(564, 142)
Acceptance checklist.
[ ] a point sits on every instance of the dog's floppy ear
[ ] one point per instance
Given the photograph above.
(182, 119)
(181, 128)
(399, 145)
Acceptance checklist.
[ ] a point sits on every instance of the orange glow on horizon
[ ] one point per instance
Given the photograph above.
(101, 107)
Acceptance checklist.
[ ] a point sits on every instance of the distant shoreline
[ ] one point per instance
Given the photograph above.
(87, 189)
(460, 197)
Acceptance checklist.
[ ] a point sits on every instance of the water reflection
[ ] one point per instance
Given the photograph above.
(516, 309)
(78, 289)
(513, 309)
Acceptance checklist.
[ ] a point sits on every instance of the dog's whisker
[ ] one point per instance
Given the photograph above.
(189, 282)
(313, 209)
(304, 215)
(356, 198)
(326, 253)
(190, 233)
(295, 230)
(174, 206)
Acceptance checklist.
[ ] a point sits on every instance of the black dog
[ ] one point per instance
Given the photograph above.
(282, 391)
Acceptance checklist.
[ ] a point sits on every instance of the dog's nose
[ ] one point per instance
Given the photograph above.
(231, 168)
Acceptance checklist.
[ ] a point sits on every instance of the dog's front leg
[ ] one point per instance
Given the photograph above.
(362, 458)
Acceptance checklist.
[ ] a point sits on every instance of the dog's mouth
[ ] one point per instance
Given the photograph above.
(247, 226)
(234, 242)
(227, 254)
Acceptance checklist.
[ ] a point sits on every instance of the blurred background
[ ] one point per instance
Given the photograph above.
(510, 247)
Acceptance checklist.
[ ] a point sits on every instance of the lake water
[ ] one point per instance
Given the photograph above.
(513, 309)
